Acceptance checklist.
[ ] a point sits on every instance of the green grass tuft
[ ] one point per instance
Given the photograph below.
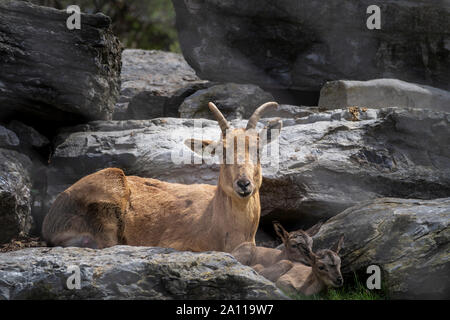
(353, 290)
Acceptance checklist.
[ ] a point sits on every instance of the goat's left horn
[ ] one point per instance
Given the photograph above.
(252, 122)
(223, 123)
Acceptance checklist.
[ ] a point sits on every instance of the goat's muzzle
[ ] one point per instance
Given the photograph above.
(243, 187)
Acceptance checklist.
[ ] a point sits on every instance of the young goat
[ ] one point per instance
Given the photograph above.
(323, 271)
(259, 258)
(295, 268)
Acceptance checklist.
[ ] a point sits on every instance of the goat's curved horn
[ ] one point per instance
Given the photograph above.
(251, 124)
(223, 123)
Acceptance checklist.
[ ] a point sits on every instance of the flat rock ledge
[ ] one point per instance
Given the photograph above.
(126, 272)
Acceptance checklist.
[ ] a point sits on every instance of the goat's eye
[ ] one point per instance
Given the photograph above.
(321, 268)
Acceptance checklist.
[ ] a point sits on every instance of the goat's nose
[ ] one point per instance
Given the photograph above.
(340, 280)
(243, 183)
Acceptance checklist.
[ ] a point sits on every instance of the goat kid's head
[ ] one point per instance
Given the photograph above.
(239, 152)
(326, 264)
(295, 242)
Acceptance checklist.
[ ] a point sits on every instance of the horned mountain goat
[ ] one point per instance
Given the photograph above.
(108, 208)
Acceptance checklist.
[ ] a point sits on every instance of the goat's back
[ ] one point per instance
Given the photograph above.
(93, 205)
(296, 280)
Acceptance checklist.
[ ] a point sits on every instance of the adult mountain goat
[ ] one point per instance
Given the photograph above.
(108, 208)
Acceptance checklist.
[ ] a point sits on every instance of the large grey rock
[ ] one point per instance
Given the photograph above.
(332, 162)
(327, 161)
(15, 195)
(381, 93)
(124, 272)
(235, 101)
(154, 83)
(408, 239)
(53, 73)
(300, 44)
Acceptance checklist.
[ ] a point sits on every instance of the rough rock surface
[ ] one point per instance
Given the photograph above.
(15, 195)
(36, 147)
(124, 272)
(408, 239)
(154, 83)
(330, 164)
(51, 72)
(235, 101)
(327, 162)
(381, 93)
(301, 44)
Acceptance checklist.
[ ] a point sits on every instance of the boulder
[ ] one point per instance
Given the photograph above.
(15, 195)
(408, 239)
(124, 272)
(235, 101)
(328, 161)
(154, 83)
(52, 73)
(382, 93)
(301, 44)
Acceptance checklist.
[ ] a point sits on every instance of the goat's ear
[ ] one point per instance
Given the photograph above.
(314, 229)
(338, 246)
(280, 231)
(201, 147)
(271, 131)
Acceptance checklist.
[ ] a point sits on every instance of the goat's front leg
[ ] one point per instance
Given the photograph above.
(275, 271)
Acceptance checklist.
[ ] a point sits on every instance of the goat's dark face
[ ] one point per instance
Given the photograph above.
(239, 154)
(295, 245)
(298, 244)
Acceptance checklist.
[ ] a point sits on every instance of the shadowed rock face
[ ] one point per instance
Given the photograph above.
(235, 101)
(53, 73)
(15, 195)
(154, 84)
(327, 161)
(408, 239)
(124, 272)
(300, 44)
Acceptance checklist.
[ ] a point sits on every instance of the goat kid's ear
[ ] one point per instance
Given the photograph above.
(338, 246)
(271, 131)
(314, 229)
(280, 231)
(201, 147)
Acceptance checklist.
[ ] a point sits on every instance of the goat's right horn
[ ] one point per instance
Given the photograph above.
(253, 121)
(223, 123)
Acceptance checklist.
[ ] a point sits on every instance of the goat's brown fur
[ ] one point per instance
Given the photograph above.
(294, 268)
(255, 256)
(108, 208)
(324, 271)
